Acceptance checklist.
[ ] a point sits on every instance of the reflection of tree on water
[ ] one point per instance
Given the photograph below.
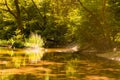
(65, 67)
(7, 76)
(71, 67)
(36, 53)
(111, 55)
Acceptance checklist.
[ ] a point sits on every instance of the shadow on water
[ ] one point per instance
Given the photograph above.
(61, 66)
(88, 67)
(18, 77)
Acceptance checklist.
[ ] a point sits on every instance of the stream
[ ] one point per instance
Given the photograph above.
(111, 55)
(56, 64)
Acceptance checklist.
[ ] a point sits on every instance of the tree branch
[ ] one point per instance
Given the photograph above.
(30, 17)
(90, 12)
(2, 4)
(103, 12)
(43, 17)
(17, 8)
(37, 9)
(9, 10)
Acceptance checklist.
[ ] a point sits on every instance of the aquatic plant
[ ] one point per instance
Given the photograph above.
(35, 50)
(34, 57)
(34, 41)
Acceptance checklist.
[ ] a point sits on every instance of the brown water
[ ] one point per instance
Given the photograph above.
(63, 64)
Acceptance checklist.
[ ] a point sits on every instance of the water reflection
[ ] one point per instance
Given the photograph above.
(111, 55)
(71, 67)
(18, 77)
(34, 54)
(57, 66)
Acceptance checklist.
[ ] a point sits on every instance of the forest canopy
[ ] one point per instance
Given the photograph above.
(62, 22)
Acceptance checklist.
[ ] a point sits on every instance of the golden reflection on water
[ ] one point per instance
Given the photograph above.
(46, 50)
(34, 55)
(54, 66)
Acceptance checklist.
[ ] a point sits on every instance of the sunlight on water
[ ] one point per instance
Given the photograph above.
(66, 49)
(111, 55)
(75, 48)
(36, 53)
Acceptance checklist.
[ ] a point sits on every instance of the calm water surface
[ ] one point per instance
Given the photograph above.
(56, 66)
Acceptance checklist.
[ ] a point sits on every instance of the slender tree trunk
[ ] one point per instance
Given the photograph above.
(17, 15)
(106, 27)
(18, 18)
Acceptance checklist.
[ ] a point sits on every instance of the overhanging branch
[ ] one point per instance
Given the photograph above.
(9, 10)
(37, 9)
(91, 13)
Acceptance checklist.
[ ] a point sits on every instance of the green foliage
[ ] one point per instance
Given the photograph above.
(97, 26)
(61, 22)
(16, 42)
(34, 41)
(3, 42)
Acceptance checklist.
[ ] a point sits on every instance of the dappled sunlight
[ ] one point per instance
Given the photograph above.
(71, 49)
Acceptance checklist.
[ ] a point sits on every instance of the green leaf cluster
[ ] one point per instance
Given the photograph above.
(61, 22)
